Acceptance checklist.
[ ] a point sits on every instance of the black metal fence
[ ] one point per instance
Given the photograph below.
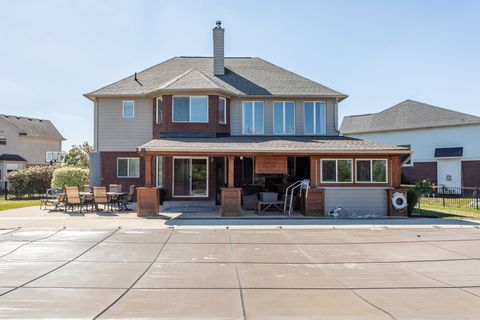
(452, 197)
(7, 194)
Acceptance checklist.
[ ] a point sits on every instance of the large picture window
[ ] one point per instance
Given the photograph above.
(372, 170)
(284, 117)
(190, 109)
(314, 117)
(337, 170)
(128, 167)
(253, 117)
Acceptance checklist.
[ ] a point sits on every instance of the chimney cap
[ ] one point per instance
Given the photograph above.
(219, 24)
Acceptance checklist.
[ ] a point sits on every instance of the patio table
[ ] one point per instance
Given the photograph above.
(278, 205)
(116, 198)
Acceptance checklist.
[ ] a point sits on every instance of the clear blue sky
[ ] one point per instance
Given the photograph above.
(377, 52)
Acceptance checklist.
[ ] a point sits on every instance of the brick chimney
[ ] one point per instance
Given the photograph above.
(218, 50)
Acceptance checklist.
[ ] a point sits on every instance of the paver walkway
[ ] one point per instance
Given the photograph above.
(411, 273)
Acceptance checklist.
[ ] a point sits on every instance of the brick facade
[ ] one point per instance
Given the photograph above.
(420, 171)
(471, 174)
(109, 170)
(212, 127)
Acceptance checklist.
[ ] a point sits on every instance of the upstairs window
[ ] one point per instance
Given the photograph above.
(372, 170)
(128, 109)
(128, 167)
(159, 113)
(222, 110)
(253, 117)
(284, 117)
(314, 117)
(337, 170)
(190, 109)
(3, 140)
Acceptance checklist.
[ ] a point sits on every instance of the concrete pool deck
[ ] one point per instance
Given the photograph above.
(344, 273)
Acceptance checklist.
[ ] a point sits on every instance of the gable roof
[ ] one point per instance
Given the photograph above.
(33, 127)
(11, 157)
(406, 115)
(243, 76)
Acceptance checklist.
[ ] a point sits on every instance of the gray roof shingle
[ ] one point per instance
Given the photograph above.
(243, 76)
(11, 157)
(33, 127)
(406, 115)
(260, 145)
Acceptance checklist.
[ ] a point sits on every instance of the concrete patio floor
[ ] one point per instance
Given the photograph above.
(291, 273)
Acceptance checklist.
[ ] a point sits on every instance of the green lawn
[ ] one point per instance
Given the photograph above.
(433, 211)
(13, 204)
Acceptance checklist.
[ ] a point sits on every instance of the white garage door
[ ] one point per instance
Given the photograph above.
(358, 201)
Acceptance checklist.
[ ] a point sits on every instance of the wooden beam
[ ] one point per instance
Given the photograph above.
(148, 170)
(231, 171)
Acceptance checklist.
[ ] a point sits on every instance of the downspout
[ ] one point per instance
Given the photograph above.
(336, 117)
(95, 124)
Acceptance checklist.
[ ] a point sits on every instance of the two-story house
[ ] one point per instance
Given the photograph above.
(194, 125)
(26, 142)
(442, 141)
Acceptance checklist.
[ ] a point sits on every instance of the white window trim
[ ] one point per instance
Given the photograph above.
(156, 109)
(371, 171)
(224, 110)
(336, 170)
(123, 108)
(157, 183)
(190, 109)
(324, 127)
(253, 117)
(284, 118)
(128, 167)
(190, 174)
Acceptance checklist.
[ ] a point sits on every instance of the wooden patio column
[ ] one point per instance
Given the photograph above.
(231, 196)
(148, 170)
(231, 171)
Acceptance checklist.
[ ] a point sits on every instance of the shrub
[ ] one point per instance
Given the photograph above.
(31, 181)
(412, 199)
(70, 177)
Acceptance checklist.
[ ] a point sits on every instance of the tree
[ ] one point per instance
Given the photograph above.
(77, 156)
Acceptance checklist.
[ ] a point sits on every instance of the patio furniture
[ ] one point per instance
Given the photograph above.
(115, 188)
(100, 197)
(263, 206)
(73, 199)
(128, 199)
(250, 202)
(268, 196)
(86, 188)
(53, 197)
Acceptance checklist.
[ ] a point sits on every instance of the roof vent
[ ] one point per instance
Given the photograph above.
(218, 50)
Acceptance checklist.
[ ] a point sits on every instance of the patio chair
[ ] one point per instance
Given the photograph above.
(100, 197)
(128, 199)
(73, 199)
(86, 188)
(54, 197)
(115, 188)
(250, 202)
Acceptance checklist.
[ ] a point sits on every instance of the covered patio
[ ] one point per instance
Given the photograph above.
(227, 170)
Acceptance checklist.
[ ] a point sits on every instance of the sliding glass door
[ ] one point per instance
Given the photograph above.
(190, 177)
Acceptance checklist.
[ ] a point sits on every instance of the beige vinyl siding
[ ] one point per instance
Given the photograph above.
(116, 133)
(360, 201)
(31, 148)
(236, 115)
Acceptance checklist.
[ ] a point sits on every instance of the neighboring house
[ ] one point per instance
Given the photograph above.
(194, 125)
(444, 142)
(25, 142)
